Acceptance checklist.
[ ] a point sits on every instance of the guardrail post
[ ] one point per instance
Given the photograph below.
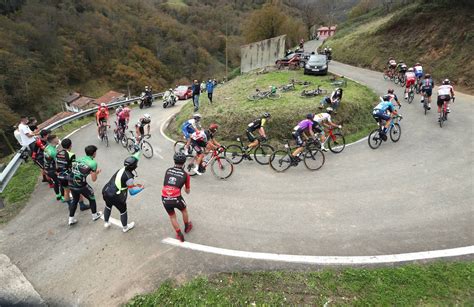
(2, 205)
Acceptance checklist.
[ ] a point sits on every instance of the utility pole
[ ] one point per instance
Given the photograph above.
(226, 57)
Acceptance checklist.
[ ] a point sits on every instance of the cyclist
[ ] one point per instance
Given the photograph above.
(175, 179)
(392, 65)
(188, 128)
(143, 121)
(393, 96)
(410, 80)
(427, 89)
(384, 111)
(115, 192)
(199, 143)
(258, 124)
(212, 144)
(81, 168)
(301, 132)
(445, 94)
(323, 120)
(123, 117)
(102, 118)
(50, 167)
(402, 69)
(64, 160)
(418, 71)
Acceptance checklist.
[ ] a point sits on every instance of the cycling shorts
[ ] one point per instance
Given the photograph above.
(122, 123)
(64, 179)
(140, 129)
(380, 115)
(442, 99)
(187, 131)
(171, 203)
(410, 82)
(428, 91)
(298, 136)
(198, 146)
(102, 120)
(250, 136)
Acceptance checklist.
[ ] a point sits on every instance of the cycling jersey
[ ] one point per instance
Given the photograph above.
(142, 122)
(50, 153)
(123, 115)
(393, 97)
(303, 125)
(64, 160)
(385, 106)
(102, 114)
(445, 90)
(81, 168)
(209, 135)
(256, 124)
(418, 71)
(322, 117)
(410, 75)
(38, 148)
(175, 179)
(402, 67)
(117, 187)
(427, 84)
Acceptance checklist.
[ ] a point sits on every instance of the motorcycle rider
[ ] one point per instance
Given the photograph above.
(169, 97)
(148, 94)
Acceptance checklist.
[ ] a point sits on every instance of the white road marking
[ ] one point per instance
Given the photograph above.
(82, 127)
(162, 128)
(113, 221)
(325, 260)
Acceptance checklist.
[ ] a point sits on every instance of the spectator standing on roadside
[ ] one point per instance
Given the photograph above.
(210, 89)
(196, 88)
(33, 123)
(16, 133)
(27, 136)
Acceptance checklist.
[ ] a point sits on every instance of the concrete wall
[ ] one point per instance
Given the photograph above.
(261, 54)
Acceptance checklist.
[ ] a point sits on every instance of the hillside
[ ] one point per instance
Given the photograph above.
(442, 42)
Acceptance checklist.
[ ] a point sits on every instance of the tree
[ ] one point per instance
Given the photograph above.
(264, 23)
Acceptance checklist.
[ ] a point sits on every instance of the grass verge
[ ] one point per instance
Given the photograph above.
(233, 111)
(436, 284)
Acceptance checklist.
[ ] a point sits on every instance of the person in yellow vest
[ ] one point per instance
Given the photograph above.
(115, 191)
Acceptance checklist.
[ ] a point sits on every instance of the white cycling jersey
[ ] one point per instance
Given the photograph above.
(199, 136)
(444, 90)
(418, 69)
(410, 75)
(322, 117)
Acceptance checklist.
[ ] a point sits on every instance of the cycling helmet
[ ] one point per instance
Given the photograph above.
(130, 163)
(417, 64)
(329, 110)
(146, 87)
(119, 109)
(309, 116)
(446, 82)
(390, 91)
(103, 105)
(197, 116)
(386, 97)
(179, 158)
(147, 116)
(213, 127)
(410, 69)
(266, 115)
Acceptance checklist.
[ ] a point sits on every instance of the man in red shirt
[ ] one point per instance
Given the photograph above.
(175, 179)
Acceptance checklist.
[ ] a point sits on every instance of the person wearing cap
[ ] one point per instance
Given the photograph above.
(196, 88)
(115, 191)
(175, 179)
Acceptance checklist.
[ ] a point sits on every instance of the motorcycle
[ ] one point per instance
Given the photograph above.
(169, 101)
(145, 101)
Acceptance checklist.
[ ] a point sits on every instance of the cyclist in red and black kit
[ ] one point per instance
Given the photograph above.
(175, 179)
(38, 154)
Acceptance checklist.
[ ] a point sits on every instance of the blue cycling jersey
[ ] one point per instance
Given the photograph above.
(384, 106)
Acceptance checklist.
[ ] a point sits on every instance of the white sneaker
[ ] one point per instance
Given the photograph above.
(106, 225)
(324, 148)
(96, 216)
(196, 170)
(128, 227)
(99, 138)
(72, 221)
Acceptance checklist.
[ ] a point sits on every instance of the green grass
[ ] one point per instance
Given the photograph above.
(233, 111)
(437, 284)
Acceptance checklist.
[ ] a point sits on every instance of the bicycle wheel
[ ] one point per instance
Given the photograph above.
(395, 133)
(374, 139)
(235, 153)
(116, 137)
(179, 146)
(396, 80)
(274, 96)
(441, 119)
(189, 166)
(123, 141)
(314, 159)
(337, 144)
(263, 153)
(411, 96)
(105, 138)
(280, 161)
(131, 145)
(222, 167)
(147, 149)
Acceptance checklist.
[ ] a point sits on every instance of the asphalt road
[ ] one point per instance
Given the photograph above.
(410, 196)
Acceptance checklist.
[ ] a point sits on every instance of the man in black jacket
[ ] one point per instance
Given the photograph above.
(196, 88)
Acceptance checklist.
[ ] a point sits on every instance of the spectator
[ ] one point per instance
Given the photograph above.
(334, 100)
(33, 123)
(210, 89)
(215, 82)
(16, 133)
(203, 87)
(196, 88)
(27, 136)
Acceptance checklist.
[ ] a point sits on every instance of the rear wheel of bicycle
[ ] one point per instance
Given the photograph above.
(123, 141)
(375, 140)
(105, 138)
(395, 133)
(314, 159)
(274, 96)
(411, 96)
(116, 137)
(147, 150)
(189, 166)
(337, 144)
(235, 153)
(263, 153)
(222, 167)
(130, 145)
(280, 161)
(179, 146)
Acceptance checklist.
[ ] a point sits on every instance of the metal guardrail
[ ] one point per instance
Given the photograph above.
(17, 159)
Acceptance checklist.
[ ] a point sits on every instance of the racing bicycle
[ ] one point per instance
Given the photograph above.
(103, 134)
(271, 94)
(411, 94)
(443, 115)
(221, 166)
(335, 140)
(313, 93)
(179, 147)
(145, 147)
(120, 137)
(236, 152)
(376, 137)
(312, 157)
